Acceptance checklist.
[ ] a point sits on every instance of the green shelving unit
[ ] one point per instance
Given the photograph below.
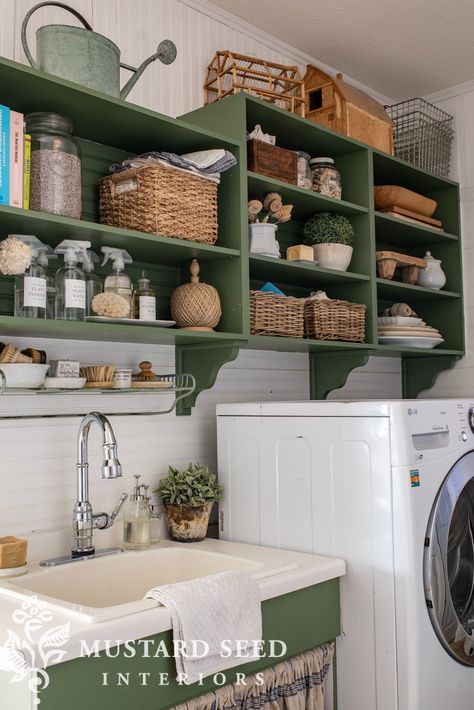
(361, 168)
(110, 129)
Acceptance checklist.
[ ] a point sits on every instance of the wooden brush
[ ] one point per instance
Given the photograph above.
(12, 354)
(271, 200)
(254, 208)
(283, 214)
(98, 375)
(147, 378)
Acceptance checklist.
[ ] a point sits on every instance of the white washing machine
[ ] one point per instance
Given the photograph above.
(389, 487)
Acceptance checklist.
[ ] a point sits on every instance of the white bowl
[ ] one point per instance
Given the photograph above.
(24, 374)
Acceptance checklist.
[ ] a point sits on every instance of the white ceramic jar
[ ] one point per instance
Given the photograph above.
(433, 275)
(262, 239)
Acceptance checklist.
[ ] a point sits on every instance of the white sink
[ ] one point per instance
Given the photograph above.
(110, 587)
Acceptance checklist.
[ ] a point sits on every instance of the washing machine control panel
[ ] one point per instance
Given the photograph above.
(470, 417)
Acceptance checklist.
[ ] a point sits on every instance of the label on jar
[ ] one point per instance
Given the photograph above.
(75, 293)
(147, 308)
(34, 292)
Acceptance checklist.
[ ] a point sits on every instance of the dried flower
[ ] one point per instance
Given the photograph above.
(15, 256)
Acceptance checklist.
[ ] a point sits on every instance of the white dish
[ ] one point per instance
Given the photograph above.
(131, 321)
(8, 572)
(409, 341)
(64, 383)
(399, 320)
(24, 374)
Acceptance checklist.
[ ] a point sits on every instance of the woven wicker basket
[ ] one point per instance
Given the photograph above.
(162, 200)
(327, 319)
(271, 314)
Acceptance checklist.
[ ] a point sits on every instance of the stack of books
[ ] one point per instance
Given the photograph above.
(15, 150)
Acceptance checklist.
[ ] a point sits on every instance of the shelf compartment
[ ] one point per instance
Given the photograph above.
(401, 233)
(147, 248)
(268, 269)
(396, 290)
(305, 202)
(115, 332)
(404, 351)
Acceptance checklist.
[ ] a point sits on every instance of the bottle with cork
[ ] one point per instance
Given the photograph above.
(144, 300)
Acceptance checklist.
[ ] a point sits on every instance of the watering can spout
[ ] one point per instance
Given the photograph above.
(166, 53)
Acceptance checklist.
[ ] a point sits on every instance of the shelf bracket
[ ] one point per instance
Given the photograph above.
(329, 371)
(203, 361)
(420, 373)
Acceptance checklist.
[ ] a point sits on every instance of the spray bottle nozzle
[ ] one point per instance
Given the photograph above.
(71, 248)
(32, 241)
(45, 255)
(120, 257)
(88, 259)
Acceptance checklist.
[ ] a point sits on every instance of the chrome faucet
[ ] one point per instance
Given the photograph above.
(84, 520)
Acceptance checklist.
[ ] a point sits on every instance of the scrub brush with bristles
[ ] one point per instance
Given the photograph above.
(272, 203)
(254, 208)
(283, 214)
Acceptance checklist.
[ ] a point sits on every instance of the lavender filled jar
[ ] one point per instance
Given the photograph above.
(55, 181)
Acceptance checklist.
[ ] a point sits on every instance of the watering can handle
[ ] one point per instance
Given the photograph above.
(27, 18)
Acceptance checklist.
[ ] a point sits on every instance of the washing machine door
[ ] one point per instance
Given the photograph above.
(449, 562)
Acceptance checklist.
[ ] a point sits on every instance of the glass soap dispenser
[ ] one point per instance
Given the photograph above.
(137, 519)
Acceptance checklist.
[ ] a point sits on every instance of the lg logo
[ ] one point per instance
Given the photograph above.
(412, 411)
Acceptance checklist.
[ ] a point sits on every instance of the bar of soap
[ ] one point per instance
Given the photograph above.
(300, 252)
(12, 552)
(63, 368)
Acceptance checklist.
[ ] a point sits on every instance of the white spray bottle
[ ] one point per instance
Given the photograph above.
(118, 282)
(93, 280)
(31, 287)
(70, 282)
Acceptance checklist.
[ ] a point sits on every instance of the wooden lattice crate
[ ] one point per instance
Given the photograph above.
(229, 72)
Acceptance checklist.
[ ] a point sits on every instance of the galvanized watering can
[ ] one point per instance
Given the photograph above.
(84, 56)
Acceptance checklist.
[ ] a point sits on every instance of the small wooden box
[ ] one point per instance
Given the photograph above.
(272, 161)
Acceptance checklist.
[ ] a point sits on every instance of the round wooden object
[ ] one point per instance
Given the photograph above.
(196, 305)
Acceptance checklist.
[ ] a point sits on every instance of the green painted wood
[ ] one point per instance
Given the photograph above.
(269, 269)
(399, 233)
(329, 372)
(102, 118)
(419, 374)
(302, 619)
(396, 291)
(204, 361)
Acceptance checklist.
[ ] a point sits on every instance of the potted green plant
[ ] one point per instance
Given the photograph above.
(331, 236)
(188, 497)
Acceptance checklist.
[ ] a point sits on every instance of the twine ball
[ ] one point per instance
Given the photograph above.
(196, 305)
(15, 256)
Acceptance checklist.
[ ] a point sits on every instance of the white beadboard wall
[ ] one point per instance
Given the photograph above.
(37, 472)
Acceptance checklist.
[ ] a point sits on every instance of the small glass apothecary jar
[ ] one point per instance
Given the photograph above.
(55, 177)
(326, 177)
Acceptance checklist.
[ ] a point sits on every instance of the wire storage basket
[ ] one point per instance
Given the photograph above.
(422, 135)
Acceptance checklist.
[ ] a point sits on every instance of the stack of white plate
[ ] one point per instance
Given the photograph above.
(408, 331)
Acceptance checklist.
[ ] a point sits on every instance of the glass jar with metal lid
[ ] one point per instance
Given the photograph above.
(326, 177)
(55, 178)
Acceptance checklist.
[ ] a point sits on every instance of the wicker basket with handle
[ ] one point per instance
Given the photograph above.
(272, 314)
(328, 319)
(162, 200)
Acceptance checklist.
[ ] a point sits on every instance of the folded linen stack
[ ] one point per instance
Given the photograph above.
(207, 163)
(222, 612)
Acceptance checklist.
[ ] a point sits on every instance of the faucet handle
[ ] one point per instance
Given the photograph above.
(118, 507)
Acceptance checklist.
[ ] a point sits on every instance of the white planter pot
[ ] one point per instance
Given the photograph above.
(262, 240)
(333, 256)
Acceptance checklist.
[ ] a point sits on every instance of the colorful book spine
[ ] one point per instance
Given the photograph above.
(16, 159)
(27, 171)
(4, 155)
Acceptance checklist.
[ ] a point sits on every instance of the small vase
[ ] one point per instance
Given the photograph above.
(333, 256)
(263, 241)
(188, 523)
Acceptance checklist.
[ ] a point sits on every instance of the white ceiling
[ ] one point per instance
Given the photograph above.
(401, 48)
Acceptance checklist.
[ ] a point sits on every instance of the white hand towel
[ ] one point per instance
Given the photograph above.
(222, 607)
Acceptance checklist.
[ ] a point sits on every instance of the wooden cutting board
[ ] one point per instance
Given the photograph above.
(385, 196)
(395, 211)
